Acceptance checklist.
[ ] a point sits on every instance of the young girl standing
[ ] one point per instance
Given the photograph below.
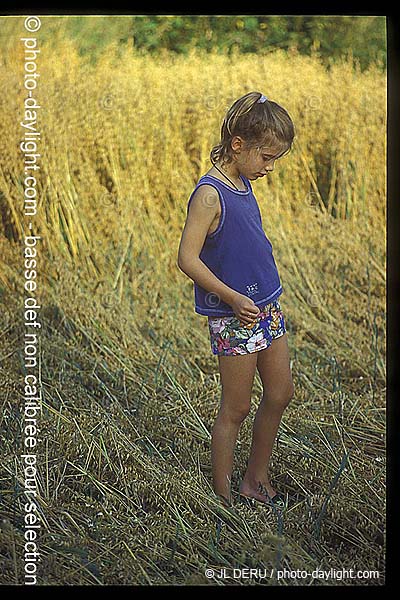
(225, 251)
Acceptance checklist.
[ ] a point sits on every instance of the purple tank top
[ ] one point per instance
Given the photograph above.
(238, 252)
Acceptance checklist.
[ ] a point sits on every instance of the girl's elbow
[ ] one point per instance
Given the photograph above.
(181, 264)
(184, 263)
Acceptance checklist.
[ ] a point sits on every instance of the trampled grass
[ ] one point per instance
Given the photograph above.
(129, 386)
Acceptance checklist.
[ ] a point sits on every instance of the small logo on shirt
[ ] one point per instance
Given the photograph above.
(252, 289)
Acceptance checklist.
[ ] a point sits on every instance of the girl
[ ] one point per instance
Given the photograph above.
(225, 251)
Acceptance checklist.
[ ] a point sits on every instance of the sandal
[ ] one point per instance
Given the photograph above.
(276, 501)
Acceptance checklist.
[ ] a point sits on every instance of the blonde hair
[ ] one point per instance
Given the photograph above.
(257, 123)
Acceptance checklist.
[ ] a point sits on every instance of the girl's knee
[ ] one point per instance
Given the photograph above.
(280, 399)
(235, 413)
(290, 393)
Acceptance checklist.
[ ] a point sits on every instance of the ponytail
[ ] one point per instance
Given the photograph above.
(256, 119)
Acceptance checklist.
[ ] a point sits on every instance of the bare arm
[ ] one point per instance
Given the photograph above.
(202, 212)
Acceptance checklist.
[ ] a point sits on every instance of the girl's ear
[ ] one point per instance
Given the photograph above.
(237, 143)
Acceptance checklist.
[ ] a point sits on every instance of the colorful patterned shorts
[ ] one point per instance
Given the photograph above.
(228, 336)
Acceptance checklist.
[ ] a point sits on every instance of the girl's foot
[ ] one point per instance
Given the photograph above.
(261, 491)
(226, 502)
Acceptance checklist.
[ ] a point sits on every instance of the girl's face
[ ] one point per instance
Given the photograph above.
(257, 162)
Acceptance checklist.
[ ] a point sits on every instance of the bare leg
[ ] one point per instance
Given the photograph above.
(237, 376)
(274, 369)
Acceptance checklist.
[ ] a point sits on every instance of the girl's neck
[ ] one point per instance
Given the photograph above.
(231, 171)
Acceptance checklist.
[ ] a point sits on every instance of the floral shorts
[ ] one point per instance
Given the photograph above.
(228, 336)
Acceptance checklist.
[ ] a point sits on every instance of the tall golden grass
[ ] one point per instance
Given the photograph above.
(130, 387)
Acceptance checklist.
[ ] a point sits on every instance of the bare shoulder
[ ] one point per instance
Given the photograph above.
(202, 220)
(206, 199)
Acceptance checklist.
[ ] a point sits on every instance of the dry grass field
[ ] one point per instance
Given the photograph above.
(129, 386)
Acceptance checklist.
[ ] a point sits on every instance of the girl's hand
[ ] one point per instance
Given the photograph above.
(245, 309)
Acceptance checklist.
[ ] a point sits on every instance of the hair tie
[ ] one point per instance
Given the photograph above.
(262, 99)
